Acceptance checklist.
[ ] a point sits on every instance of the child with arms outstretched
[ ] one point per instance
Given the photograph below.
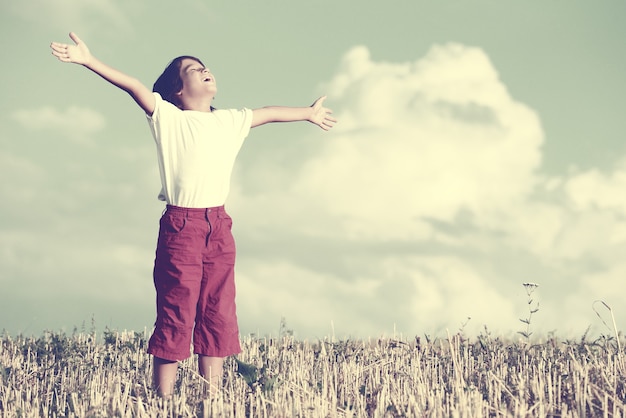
(195, 255)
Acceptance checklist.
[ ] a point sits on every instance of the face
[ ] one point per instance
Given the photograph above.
(197, 79)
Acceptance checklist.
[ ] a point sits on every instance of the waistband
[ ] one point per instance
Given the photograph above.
(195, 211)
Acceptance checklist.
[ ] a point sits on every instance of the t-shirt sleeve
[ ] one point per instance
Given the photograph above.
(160, 106)
(243, 122)
(163, 111)
(152, 119)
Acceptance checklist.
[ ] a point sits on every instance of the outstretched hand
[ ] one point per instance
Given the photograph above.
(322, 115)
(77, 53)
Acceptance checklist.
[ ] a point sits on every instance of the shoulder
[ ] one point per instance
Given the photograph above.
(162, 107)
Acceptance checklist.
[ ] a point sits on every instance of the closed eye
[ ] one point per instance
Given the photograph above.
(198, 69)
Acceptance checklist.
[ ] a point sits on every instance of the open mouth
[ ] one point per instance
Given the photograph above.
(207, 79)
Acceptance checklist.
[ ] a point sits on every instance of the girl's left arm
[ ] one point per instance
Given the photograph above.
(316, 113)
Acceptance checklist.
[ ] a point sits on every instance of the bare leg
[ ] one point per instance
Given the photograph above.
(164, 376)
(212, 369)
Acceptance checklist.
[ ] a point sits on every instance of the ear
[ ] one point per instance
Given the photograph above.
(177, 100)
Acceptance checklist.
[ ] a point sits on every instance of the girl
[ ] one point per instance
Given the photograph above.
(194, 264)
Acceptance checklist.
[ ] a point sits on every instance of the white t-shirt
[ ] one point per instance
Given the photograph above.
(196, 152)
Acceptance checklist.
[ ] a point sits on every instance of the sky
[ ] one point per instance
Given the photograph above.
(480, 146)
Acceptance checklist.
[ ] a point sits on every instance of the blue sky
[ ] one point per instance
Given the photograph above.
(480, 146)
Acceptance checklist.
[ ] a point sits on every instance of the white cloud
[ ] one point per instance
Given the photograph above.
(448, 290)
(426, 139)
(311, 300)
(594, 189)
(74, 122)
(81, 264)
(430, 184)
(448, 137)
(277, 290)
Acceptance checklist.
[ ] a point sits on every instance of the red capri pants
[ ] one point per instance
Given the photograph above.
(194, 277)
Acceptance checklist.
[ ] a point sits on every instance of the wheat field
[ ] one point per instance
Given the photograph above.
(89, 375)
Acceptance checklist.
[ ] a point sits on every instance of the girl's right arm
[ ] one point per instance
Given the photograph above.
(79, 54)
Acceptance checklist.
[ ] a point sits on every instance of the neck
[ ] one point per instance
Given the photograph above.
(197, 104)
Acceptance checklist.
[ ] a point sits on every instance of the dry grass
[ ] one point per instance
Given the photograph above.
(88, 375)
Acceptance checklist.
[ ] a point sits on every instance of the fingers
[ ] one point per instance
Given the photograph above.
(65, 52)
(327, 115)
(75, 38)
(57, 47)
(60, 51)
(328, 122)
(330, 119)
(319, 102)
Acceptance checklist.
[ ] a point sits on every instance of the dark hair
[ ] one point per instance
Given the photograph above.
(169, 82)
